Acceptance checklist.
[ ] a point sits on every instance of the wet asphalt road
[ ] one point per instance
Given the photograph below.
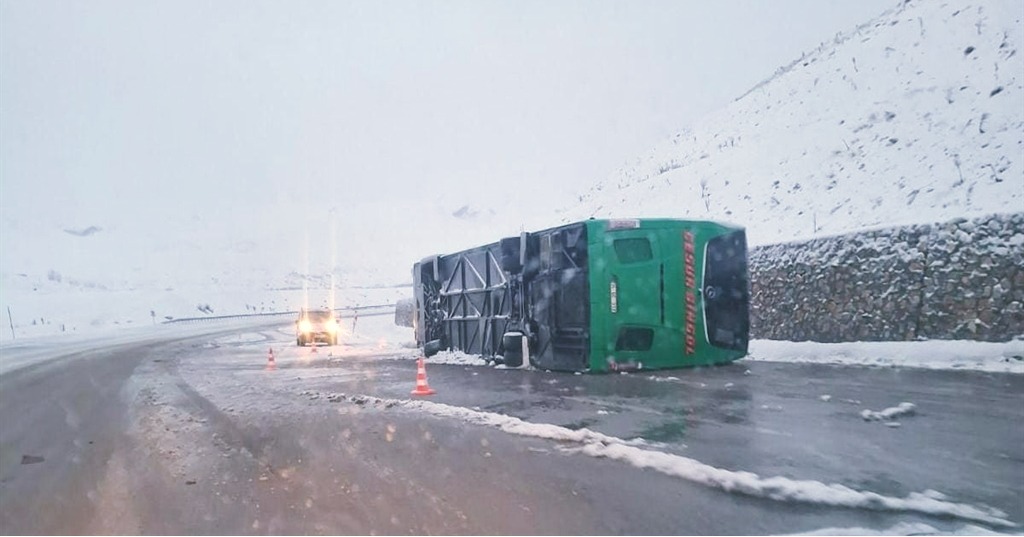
(193, 436)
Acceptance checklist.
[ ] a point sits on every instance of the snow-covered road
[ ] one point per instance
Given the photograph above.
(332, 442)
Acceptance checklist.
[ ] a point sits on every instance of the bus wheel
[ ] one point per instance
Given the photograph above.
(431, 348)
(512, 344)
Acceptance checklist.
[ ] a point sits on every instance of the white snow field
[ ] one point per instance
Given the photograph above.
(913, 117)
(1005, 357)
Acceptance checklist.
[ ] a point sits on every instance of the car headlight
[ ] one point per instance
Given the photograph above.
(331, 325)
(305, 325)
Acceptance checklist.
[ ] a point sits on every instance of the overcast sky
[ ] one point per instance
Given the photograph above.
(130, 109)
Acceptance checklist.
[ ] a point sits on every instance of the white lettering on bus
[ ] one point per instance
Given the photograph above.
(691, 292)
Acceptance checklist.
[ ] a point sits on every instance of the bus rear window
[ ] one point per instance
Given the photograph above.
(635, 250)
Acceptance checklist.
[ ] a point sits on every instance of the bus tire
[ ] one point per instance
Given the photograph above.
(512, 347)
(431, 348)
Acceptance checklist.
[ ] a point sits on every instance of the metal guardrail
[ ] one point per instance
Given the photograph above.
(358, 310)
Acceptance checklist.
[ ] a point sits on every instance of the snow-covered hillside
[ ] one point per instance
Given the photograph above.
(916, 116)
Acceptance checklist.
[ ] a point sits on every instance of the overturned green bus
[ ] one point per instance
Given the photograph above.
(598, 295)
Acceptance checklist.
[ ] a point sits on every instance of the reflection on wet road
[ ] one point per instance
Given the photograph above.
(329, 443)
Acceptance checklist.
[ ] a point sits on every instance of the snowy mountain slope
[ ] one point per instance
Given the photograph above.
(917, 116)
(262, 246)
(266, 258)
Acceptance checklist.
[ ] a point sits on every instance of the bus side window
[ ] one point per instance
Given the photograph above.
(634, 339)
(633, 250)
(545, 252)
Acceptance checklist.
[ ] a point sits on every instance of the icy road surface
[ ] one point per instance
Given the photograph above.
(182, 432)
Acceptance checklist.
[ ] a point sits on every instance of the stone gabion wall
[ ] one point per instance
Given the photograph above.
(962, 279)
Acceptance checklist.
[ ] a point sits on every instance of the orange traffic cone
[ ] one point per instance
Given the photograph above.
(270, 360)
(421, 379)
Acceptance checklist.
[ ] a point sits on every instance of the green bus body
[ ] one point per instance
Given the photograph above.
(598, 296)
(659, 320)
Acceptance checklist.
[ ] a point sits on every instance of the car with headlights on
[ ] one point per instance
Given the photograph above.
(316, 326)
